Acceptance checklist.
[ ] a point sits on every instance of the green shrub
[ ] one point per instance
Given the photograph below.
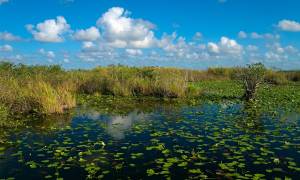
(252, 77)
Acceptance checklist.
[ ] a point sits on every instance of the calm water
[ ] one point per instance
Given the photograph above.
(213, 140)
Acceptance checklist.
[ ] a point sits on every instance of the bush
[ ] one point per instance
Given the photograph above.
(252, 77)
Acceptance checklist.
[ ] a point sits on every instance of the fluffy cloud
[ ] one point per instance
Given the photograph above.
(49, 54)
(87, 45)
(90, 34)
(197, 36)
(122, 31)
(6, 48)
(242, 35)
(213, 47)
(255, 35)
(50, 30)
(288, 25)
(167, 42)
(230, 46)
(6, 36)
(134, 52)
(66, 60)
(93, 51)
(291, 49)
(252, 48)
(279, 49)
(3, 1)
(277, 53)
(225, 46)
(178, 48)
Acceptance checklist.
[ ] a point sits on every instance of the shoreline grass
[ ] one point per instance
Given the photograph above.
(43, 90)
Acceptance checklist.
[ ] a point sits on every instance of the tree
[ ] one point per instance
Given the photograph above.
(252, 76)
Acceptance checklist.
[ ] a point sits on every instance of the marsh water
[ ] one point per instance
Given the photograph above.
(149, 139)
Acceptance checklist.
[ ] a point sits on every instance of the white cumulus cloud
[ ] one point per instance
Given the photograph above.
(7, 36)
(122, 31)
(49, 54)
(289, 25)
(134, 52)
(6, 48)
(90, 34)
(252, 48)
(213, 47)
(230, 46)
(225, 46)
(50, 30)
(197, 36)
(87, 45)
(255, 35)
(242, 35)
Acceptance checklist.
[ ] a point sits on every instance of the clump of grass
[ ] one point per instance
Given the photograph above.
(170, 85)
(49, 100)
(293, 76)
(3, 115)
(277, 78)
(125, 81)
(36, 97)
(22, 93)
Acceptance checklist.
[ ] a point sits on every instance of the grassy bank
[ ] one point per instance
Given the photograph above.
(42, 90)
(269, 95)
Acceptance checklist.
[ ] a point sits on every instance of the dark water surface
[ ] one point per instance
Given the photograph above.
(215, 140)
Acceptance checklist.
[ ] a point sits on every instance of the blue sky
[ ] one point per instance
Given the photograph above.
(190, 34)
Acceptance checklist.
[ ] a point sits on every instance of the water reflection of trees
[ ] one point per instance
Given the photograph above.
(41, 125)
(3, 136)
(251, 118)
(51, 122)
(255, 118)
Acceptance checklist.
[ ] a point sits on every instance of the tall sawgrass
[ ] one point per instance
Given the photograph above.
(51, 89)
(24, 91)
(125, 81)
(35, 96)
(276, 78)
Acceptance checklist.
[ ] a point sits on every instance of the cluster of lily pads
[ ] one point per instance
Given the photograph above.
(224, 139)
